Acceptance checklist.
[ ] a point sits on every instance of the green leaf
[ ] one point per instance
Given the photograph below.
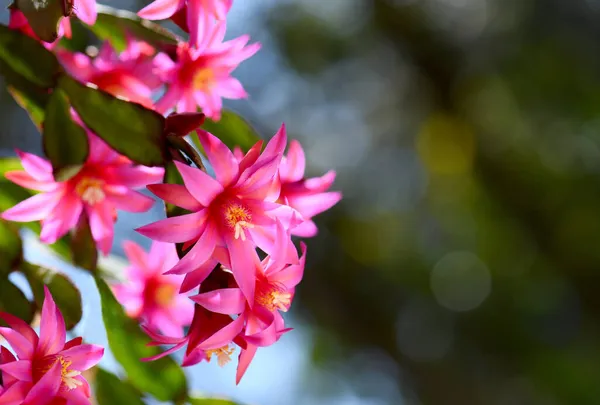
(129, 128)
(172, 176)
(162, 378)
(110, 390)
(11, 248)
(83, 247)
(113, 24)
(65, 142)
(13, 301)
(43, 16)
(233, 130)
(27, 57)
(211, 401)
(64, 292)
(29, 96)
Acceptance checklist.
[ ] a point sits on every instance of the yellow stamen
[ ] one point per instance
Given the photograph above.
(67, 375)
(204, 79)
(90, 190)
(223, 354)
(165, 294)
(238, 218)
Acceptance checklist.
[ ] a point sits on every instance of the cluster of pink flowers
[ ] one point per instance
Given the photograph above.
(44, 369)
(221, 288)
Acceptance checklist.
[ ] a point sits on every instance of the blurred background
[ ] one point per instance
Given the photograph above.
(463, 265)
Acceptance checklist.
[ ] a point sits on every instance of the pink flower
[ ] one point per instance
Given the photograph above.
(46, 369)
(151, 296)
(198, 13)
(307, 196)
(128, 74)
(231, 211)
(103, 185)
(201, 77)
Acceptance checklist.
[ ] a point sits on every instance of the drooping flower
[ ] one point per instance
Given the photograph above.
(128, 74)
(104, 184)
(197, 13)
(308, 196)
(150, 296)
(201, 77)
(232, 211)
(46, 368)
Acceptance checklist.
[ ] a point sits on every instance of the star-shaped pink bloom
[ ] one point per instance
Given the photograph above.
(201, 77)
(128, 74)
(233, 210)
(198, 13)
(104, 184)
(150, 296)
(46, 368)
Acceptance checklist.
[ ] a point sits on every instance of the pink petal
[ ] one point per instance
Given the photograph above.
(164, 340)
(21, 370)
(175, 194)
(203, 187)
(291, 275)
(52, 327)
(77, 64)
(78, 396)
(86, 11)
(164, 322)
(83, 357)
(46, 388)
(196, 21)
(306, 229)
(137, 176)
(199, 254)
(311, 205)
(25, 180)
(320, 184)
(173, 94)
(66, 214)
(224, 336)
(101, 224)
(228, 301)
(165, 353)
(37, 167)
(231, 88)
(160, 9)
(176, 229)
(295, 164)
(34, 208)
(15, 394)
(21, 327)
(21, 346)
(220, 157)
(128, 200)
(195, 277)
(242, 256)
(135, 254)
(73, 342)
(244, 360)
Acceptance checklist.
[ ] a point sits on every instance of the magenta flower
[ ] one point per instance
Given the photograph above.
(198, 13)
(201, 77)
(232, 211)
(150, 296)
(104, 184)
(307, 196)
(46, 369)
(128, 74)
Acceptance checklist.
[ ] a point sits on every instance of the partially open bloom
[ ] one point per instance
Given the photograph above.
(128, 74)
(104, 184)
(150, 296)
(232, 211)
(46, 369)
(197, 13)
(201, 77)
(308, 196)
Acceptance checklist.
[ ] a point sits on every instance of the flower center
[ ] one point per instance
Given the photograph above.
(204, 79)
(273, 297)
(223, 354)
(66, 373)
(164, 294)
(238, 218)
(90, 190)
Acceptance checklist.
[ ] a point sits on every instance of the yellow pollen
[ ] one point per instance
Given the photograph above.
(91, 190)
(275, 297)
(164, 294)
(223, 354)
(204, 79)
(238, 218)
(67, 375)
